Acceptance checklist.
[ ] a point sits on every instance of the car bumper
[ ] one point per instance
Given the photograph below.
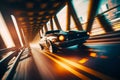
(71, 42)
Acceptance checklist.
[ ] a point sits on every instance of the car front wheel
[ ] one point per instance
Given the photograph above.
(41, 47)
(52, 48)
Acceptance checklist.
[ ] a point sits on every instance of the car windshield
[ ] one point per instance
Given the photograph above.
(51, 32)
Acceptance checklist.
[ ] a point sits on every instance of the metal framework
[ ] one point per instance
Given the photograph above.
(93, 9)
(57, 22)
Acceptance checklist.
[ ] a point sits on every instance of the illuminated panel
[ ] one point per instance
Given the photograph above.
(54, 25)
(41, 33)
(48, 25)
(44, 29)
(116, 24)
(16, 27)
(62, 18)
(81, 9)
(5, 34)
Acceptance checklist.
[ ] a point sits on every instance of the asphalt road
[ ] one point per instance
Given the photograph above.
(93, 61)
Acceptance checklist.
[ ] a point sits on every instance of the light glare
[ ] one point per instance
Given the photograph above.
(16, 27)
(5, 34)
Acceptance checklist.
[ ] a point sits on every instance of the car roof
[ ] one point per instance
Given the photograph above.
(52, 31)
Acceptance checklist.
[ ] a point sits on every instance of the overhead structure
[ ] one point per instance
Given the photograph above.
(31, 15)
(93, 9)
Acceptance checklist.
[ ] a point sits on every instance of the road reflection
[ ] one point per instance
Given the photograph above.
(81, 67)
(84, 62)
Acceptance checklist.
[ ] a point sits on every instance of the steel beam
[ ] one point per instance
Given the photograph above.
(45, 26)
(74, 15)
(57, 22)
(105, 24)
(11, 27)
(51, 24)
(93, 9)
(68, 18)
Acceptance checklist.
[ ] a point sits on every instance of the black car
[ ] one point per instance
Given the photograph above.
(57, 39)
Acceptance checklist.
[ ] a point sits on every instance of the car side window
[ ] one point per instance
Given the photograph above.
(47, 35)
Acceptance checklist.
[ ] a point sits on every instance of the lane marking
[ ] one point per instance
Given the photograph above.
(84, 68)
(76, 73)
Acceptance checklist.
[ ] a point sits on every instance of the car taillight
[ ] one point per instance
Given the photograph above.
(61, 38)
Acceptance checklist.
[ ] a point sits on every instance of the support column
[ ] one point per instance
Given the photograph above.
(68, 18)
(42, 30)
(93, 9)
(51, 23)
(104, 23)
(74, 15)
(11, 27)
(46, 29)
(57, 22)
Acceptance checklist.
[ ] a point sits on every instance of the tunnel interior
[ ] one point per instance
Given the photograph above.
(24, 23)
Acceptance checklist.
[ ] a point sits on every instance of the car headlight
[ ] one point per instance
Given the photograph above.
(88, 33)
(61, 37)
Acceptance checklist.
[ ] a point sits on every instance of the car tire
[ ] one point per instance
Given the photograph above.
(41, 47)
(52, 48)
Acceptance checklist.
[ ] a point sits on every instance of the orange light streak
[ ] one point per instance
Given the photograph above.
(81, 76)
(84, 68)
(83, 60)
(17, 29)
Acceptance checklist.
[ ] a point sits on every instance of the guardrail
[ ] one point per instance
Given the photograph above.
(13, 68)
(5, 61)
(108, 37)
(2, 51)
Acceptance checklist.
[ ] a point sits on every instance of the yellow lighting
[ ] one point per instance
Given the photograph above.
(83, 60)
(84, 68)
(61, 38)
(116, 27)
(23, 23)
(31, 18)
(20, 19)
(17, 29)
(92, 54)
(76, 73)
(5, 34)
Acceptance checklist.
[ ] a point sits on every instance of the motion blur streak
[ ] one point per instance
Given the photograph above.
(83, 60)
(86, 69)
(81, 76)
(5, 34)
(42, 67)
(17, 29)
